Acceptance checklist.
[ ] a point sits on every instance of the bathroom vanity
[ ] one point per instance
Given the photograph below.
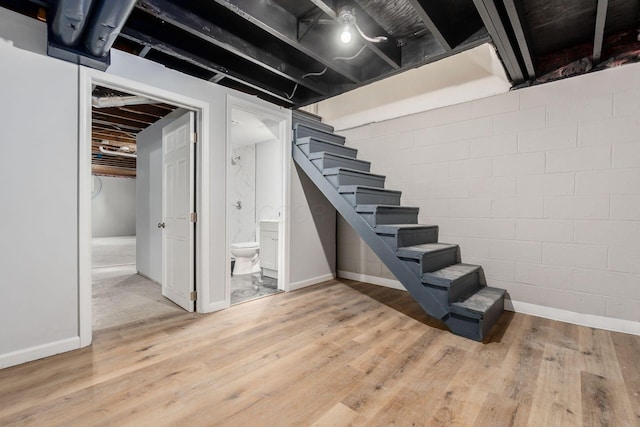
(269, 248)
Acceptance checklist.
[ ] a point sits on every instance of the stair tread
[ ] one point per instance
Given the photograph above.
(367, 188)
(378, 208)
(319, 129)
(335, 171)
(478, 303)
(322, 154)
(419, 250)
(447, 276)
(394, 228)
(306, 114)
(307, 139)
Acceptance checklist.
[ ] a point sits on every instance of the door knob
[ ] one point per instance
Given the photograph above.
(161, 225)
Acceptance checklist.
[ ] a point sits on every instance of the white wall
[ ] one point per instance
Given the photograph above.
(42, 298)
(541, 186)
(473, 74)
(38, 166)
(149, 197)
(242, 188)
(113, 209)
(268, 180)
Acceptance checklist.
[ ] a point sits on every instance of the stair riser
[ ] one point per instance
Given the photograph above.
(463, 287)
(433, 261)
(390, 218)
(304, 131)
(332, 162)
(319, 146)
(372, 199)
(345, 178)
(309, 121)
(410, 238)
(476, 329)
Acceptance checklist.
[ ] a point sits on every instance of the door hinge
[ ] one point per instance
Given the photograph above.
(193, 296)
(193, 217)
(194, 137)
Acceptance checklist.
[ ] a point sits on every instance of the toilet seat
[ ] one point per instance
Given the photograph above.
(245, 245)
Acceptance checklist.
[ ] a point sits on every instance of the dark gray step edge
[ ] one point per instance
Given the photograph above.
(310, 145)
(399, 237)
(346, 176)
(303, 131)
(362, 194)
(458, 288)
(487, 297)
(327, 160)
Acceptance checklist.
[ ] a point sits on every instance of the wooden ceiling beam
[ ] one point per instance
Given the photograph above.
(516, 17)
(270, 17)
(116, 121)
(601, 20)
(118, 113)
(211, 33)
(145, 109)
(112, 171)
(388, 51)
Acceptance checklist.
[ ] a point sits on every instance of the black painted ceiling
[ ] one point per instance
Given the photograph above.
(288, 52)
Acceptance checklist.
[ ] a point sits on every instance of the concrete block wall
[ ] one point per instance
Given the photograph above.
(541, 186)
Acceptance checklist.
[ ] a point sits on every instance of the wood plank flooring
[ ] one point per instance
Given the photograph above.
(336, 354)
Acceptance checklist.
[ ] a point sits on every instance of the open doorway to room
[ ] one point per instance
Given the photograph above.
(132, 140)
(255, 194)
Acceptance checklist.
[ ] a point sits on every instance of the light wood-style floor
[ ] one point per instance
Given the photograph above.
(336, 354)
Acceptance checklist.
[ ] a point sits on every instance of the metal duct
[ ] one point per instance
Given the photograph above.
(108, 19)
(70, 19)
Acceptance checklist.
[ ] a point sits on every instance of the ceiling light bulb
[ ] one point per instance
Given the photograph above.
(345, 36)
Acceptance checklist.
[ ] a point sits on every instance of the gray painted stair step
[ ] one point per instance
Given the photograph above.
(376, 215)
(345, 176)
(325, 160)
(429, 256)
(399, 235)
(479, 303)
(363, 195)
(461, 280)
(310, 120)
(313, 145)
(303, 131)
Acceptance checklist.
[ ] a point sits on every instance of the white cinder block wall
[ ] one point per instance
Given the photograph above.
(541, 186)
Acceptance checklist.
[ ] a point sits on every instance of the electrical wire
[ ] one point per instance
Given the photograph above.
(294, 91)
(341, 58)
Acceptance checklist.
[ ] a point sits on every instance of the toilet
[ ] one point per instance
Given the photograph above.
(246, 256)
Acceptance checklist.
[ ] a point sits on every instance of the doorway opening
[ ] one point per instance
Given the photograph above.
(256, 139)
(142, 208)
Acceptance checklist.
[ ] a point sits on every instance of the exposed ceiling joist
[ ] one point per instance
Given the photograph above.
(601, 19)
(432, 18)
(388, 51)
(270, 17)
(199, 27)
(516, 15)
(203, 63)
(492, 21)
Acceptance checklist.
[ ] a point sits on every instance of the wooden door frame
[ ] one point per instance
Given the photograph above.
(88, 78)
(283, 117)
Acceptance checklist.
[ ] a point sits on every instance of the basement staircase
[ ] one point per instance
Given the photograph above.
(431, 271)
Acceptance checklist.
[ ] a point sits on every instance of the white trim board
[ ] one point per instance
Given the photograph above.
(38, 352)
(310, 282)
(589, 320)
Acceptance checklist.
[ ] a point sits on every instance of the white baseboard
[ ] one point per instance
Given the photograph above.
(309, 282)
(590, 320)
(389, 283)
(38, 352)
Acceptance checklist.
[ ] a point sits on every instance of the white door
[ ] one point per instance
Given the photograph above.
(178, 202)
